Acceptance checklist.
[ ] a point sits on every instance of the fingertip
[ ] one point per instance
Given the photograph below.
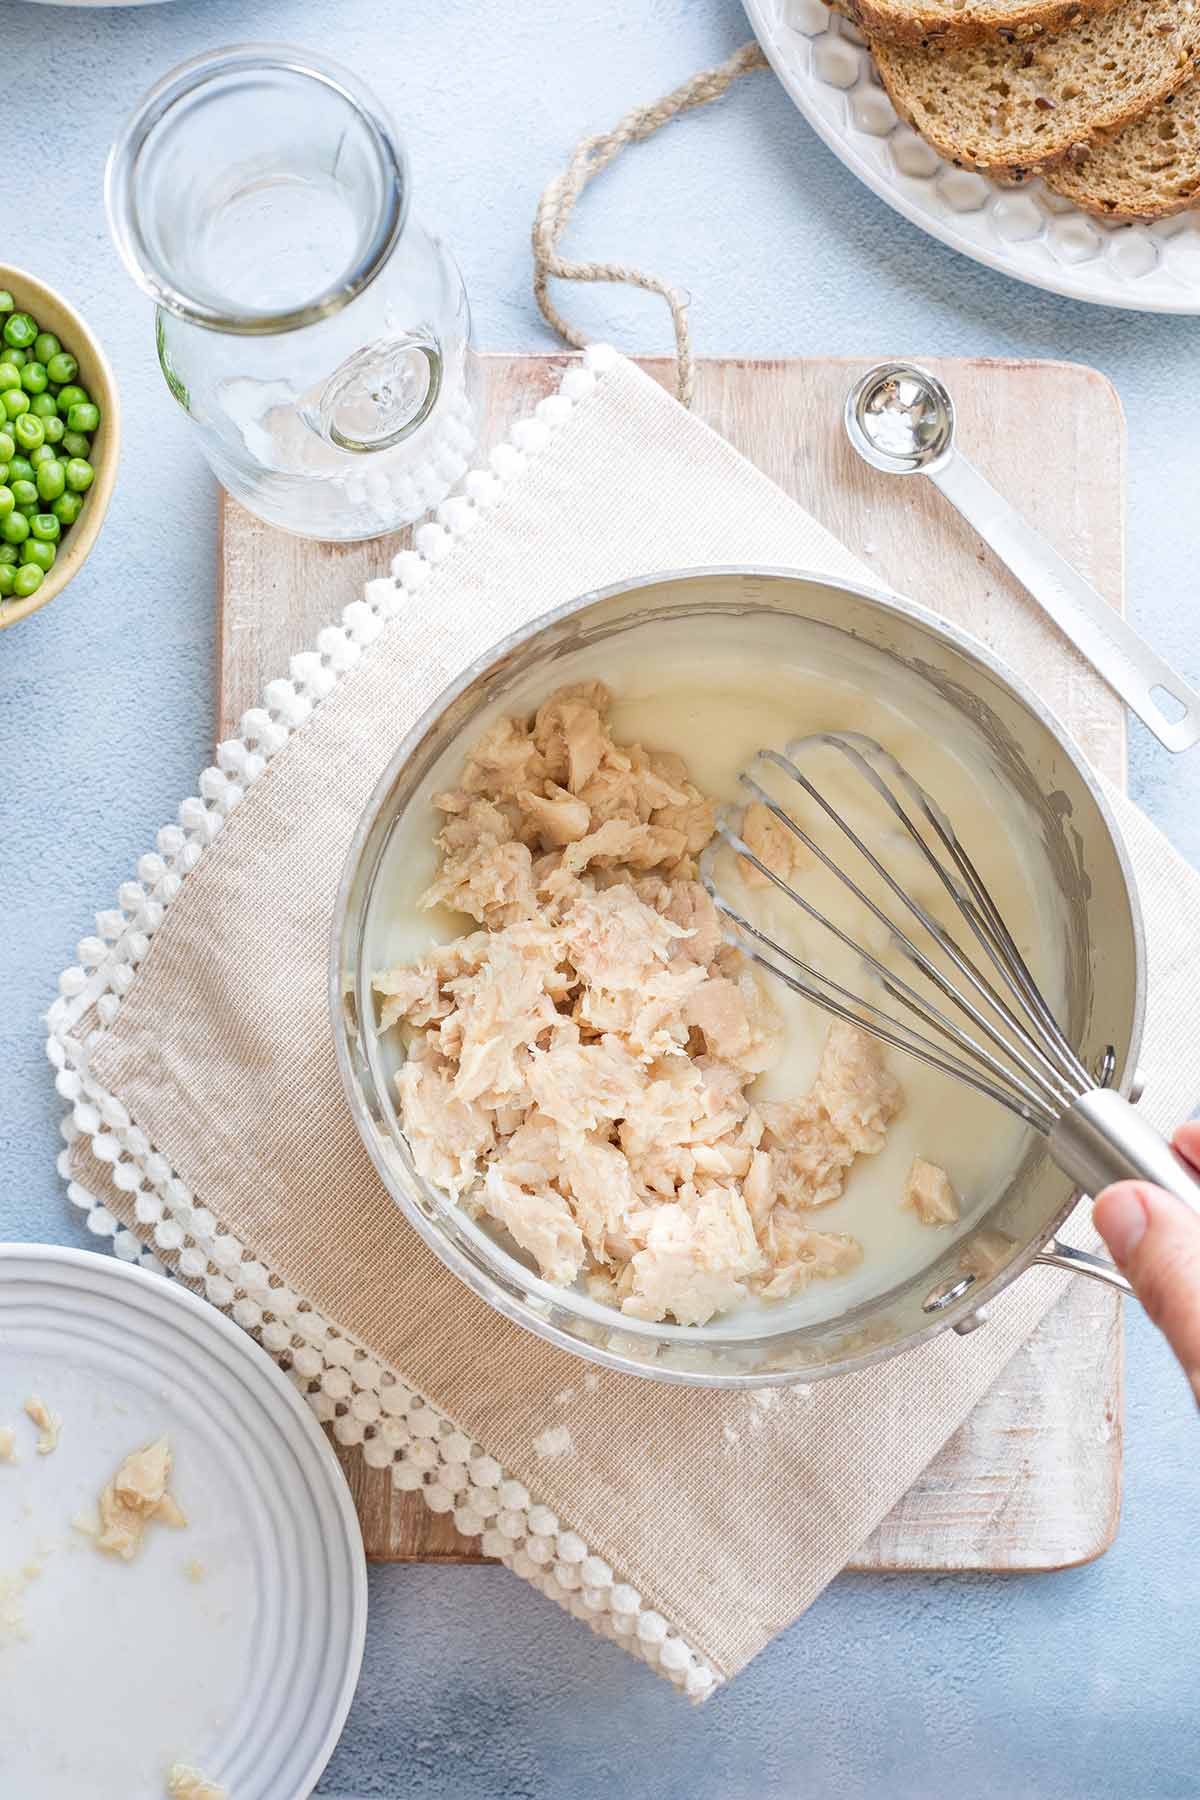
(1121, 1215)
(1187, 1142)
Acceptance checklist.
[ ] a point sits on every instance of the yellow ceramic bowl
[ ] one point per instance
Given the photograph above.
(54, 314)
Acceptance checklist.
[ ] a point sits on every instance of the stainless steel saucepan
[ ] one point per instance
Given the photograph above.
(977, 704)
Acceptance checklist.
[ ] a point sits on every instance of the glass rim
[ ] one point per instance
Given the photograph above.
(179, 84)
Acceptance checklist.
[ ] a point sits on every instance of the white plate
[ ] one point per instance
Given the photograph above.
(1026, 232)
(234, 1645)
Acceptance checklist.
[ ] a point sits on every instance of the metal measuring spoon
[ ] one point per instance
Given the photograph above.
(900, 419)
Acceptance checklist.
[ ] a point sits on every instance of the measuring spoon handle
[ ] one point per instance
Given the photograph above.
(1128, 664)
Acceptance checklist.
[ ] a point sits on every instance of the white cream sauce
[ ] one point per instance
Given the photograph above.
(716, 692)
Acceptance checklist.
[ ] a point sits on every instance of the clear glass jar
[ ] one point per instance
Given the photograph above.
(317, 336)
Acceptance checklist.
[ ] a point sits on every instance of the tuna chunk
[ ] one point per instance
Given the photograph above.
(578, 1068)
(695, 1260)
(772, 843)
(814, 1142)
(930, 1194)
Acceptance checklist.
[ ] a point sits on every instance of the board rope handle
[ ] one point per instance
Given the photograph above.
(590, 156)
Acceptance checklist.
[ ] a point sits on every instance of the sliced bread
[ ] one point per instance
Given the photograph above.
(1013, 110)
(965, 21)
(1147, 170)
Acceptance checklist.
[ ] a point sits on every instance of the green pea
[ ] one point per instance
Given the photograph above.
(20, 330)
(45, 527)
(34, 378)
(53, 426)
(8, 448)
(28, 431)
(16, 402)
(7, 501)
(62, 366)
(46, 345)
(18, 358)
(14, 529)
(51, 480)
(80, 475)
(43, 453)
(20, 469)
(3, 474)
(43, 407)
(8, 578)
(10, 376)
(9, 554)
(70, 396)
(67, 508)
(42, 555)
(84, 417)
(24, 493)
(27, 581)
(75, 444)
(7, 303)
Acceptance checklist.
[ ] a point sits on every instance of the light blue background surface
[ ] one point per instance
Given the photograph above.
(1080, 1684)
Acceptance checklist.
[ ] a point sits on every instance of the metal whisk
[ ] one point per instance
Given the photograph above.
(980, 1016)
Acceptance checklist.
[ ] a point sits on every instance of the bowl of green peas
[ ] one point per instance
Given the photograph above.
(59, 433)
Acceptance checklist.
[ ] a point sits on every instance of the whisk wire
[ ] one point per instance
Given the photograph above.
(1034, 1065)
(1020, 1056)
(993, 935)
(897, 1032)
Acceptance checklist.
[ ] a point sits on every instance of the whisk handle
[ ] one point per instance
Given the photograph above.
(1103, 1139)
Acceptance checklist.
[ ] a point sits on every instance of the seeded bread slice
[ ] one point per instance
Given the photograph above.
(1014, 110)
(1148, 170)
(925, 22)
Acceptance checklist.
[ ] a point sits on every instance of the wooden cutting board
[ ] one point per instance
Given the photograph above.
(1033, 1479)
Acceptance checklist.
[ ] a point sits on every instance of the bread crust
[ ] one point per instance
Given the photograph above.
(923, 25)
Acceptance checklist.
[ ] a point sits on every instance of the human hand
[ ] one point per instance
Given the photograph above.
(1154, 1239)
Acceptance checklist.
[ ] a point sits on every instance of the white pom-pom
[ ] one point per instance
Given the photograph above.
(410, 570)
(512, 1494)
(599, 358)
(651, 1627)
(700, 1682)
(554, 410)
(432, 540)
(578, 382)
(530, 436)
(507, 462)
(483, 488)
(458, 516)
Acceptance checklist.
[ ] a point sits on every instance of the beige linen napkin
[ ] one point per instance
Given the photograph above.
(194, 1046)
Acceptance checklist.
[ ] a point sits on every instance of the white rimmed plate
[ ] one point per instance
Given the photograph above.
(234, 1645)
(1026, 232)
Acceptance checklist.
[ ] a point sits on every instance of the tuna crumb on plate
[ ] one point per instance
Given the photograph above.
(186, 1783)
(49, 1424)
(136, 1495)
(578, 1067)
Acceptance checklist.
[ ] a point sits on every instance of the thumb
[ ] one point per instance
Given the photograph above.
(1155, 1241)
